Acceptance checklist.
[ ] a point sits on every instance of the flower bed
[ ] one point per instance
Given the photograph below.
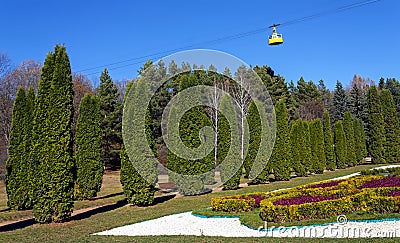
(371, 200)
(313, 200)
(383, 182)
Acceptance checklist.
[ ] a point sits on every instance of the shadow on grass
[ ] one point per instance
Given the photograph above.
(5, 210)
(107, 196)
(83, 215)
(162, 199)
(100, 209)
(17, 225)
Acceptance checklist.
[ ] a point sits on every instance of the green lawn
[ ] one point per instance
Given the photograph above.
(80, 230)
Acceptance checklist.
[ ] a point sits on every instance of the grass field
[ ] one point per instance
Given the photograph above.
(79, 230)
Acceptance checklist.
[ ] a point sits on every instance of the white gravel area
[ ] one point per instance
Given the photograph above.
(188, 224)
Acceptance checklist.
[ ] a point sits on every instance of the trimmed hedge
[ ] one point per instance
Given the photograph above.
(238, 203)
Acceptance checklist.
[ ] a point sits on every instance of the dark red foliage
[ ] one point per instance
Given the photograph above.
(257, 199)
(302, 199)
(395, 194)
(326, 184)
(384, 182)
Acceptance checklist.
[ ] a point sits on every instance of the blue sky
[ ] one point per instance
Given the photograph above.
(362, 41)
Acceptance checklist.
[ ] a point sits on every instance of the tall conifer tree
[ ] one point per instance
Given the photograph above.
(392, 127)
(328, 143)
(348, 126)
(339, 103)
(53, 151)
(111, 111)
(280, 157)
(340, 145)
(89, 165)
(318, 161)
(376, 127)
(15, 166)
(360, 140)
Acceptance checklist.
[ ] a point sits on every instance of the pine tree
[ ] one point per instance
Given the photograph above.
(89, 166)
(318, 160)
(326, 95)
(340, 145)
(292, 102)
(53, 151)
(111, 111)
(360, 140)
(275, 85)
(280, 157)
(358, 102)
(328, 143)
(376, 127)
(339, 103)
(392, 127)
(229, 139)
(348, 127)
(15, 166)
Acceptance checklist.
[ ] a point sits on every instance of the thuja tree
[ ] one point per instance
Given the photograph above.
(340, 145)
(89, 165)
(306, 150)
(28, 126)
(318, 160)
(228, 139)
(359, 137)
(280, 157)
(15, 166)
(254, 122)
(137, 190)
(376, 127)
(201, 171)
(53, 151)
(328, 143)
(348, 127)
(392, 127)
(298, 143)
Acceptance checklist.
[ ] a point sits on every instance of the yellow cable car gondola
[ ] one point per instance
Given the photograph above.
(275, 38)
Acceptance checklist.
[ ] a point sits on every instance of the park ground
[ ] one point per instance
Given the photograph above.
(109, 210)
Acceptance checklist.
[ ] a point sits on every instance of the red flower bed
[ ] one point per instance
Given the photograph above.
(384, 182)
(394, 194)
(302, 199)
(326, 184)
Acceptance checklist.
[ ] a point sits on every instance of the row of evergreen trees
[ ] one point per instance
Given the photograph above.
(42, 168)
(308, 145)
